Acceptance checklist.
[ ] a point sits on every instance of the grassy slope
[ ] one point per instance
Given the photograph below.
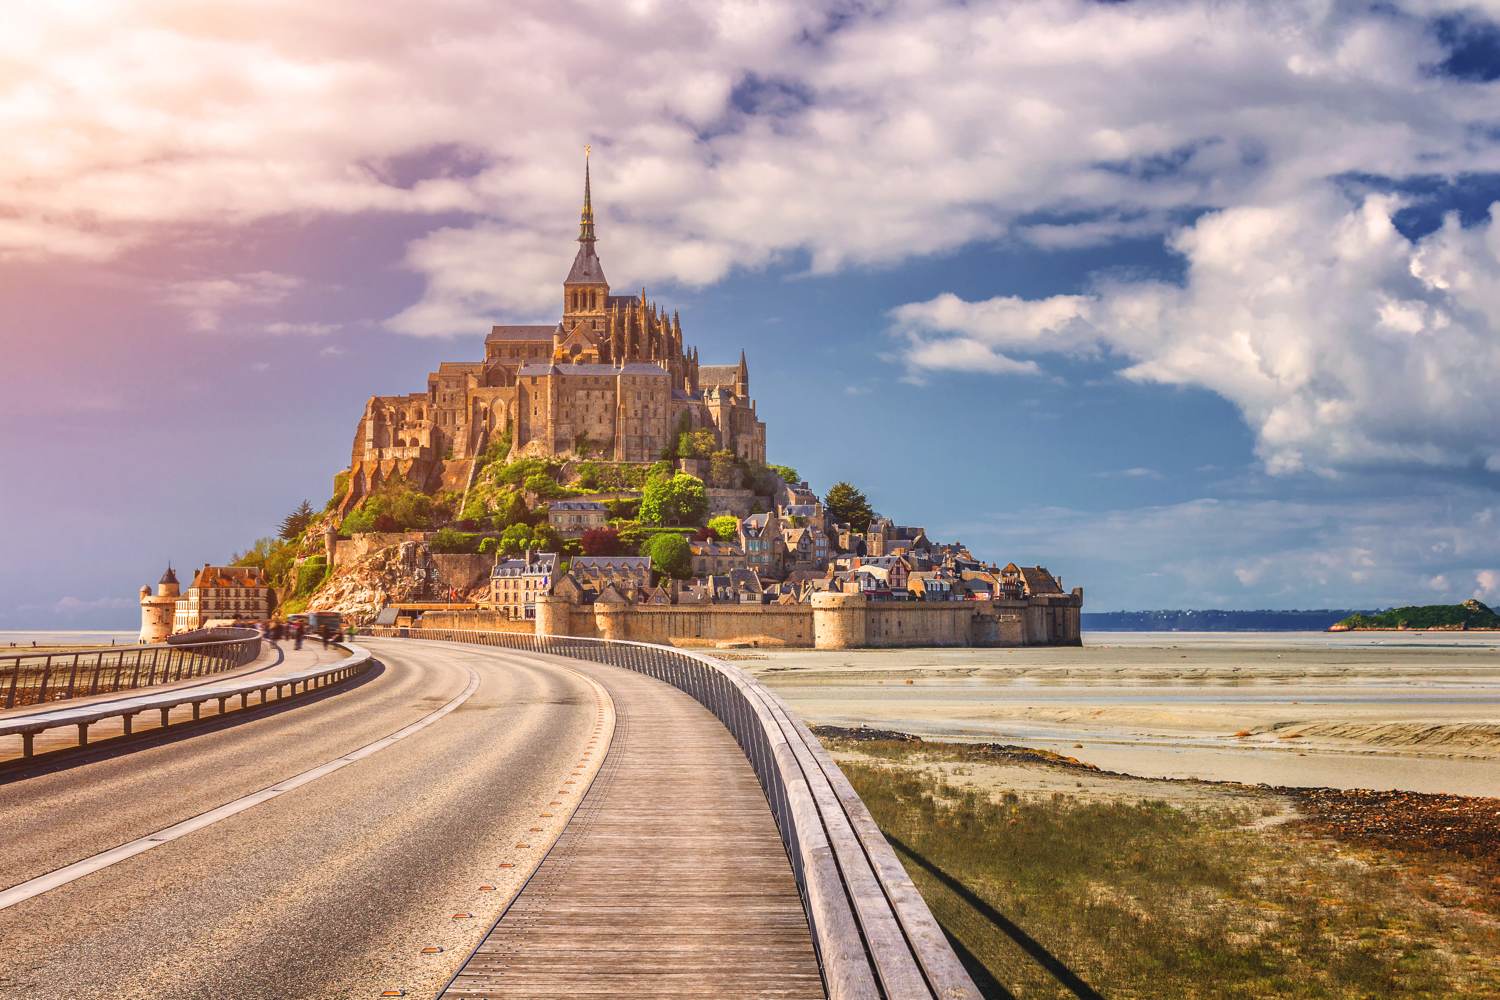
(1145, 899)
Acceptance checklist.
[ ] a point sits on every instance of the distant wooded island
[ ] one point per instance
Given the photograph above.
(1470, 614)
(1213, 620)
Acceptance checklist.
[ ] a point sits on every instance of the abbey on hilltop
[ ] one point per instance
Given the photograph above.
(612, 379)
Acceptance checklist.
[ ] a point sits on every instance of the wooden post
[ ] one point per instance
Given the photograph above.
(83, 734)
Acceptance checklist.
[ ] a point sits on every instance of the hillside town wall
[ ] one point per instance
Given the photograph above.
(463, 570)
(361, 544)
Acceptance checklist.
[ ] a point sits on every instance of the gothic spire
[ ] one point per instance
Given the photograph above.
(586, 220)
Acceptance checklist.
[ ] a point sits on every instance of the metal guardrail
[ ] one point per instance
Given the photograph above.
(874, 935)
(36, 678)
(28, 725)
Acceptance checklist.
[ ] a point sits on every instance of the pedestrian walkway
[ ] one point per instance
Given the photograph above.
(670, 880)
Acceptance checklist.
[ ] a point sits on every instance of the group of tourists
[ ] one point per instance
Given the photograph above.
(296, 630)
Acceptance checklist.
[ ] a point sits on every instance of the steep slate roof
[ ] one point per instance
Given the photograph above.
(578, 505)
(527, 333)
(1039, 581)
(586, 269)
(607, 564)
(718, 374)
(542, 564)
(170, 576)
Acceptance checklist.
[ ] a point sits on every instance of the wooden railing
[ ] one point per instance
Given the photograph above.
(34, 678)
(873, 933)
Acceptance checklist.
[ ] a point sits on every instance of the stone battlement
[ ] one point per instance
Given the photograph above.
(831, 621)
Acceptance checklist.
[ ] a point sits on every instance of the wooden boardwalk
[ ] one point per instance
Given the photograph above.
(670, 880)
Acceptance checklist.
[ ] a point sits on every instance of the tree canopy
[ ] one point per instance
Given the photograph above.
(671, 556)
(726, 527)
(847, 505)
(679, 500)
(516, 539)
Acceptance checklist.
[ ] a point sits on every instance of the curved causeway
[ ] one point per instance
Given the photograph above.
(670, 879)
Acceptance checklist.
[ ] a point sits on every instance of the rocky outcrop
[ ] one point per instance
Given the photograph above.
(396, 574)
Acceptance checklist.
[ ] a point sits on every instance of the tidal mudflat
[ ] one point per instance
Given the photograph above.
(1413, 711)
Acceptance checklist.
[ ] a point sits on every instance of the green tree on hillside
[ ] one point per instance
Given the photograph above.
(847, 505)
(680, 500)
(695, 444)
(295, 523)
(786, 472)
(516, 539)
(724, 470)
(670, 555)
(726, 527)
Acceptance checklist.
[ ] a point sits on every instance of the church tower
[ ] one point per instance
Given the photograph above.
(586, 292)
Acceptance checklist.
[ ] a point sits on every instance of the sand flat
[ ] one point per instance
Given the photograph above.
(1417, 711)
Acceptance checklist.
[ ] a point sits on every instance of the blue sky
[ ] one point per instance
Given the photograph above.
(1197, 304)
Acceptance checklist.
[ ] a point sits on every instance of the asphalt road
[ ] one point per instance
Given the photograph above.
(332, 889)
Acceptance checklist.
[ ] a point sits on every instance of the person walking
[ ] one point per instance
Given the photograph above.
(297, 629)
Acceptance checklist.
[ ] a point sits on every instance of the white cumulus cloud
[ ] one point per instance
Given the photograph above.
(727, 135)
(1342, 342)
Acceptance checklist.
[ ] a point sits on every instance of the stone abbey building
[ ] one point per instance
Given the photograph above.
(613, 379)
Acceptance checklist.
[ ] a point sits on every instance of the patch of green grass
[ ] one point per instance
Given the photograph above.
(1143, 899)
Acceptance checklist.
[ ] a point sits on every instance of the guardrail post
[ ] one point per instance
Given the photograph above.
(46, 675)
(28, 745)
(15, 677)
(83, 734)
(126, 722)
(164, 713)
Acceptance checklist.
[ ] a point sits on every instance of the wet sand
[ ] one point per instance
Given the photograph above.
(1413, 711)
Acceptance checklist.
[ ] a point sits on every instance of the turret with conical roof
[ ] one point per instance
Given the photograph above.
(157, 610)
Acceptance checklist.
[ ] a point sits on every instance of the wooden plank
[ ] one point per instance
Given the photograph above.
(670, 880)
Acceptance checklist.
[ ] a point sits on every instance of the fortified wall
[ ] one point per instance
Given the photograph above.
(831, 621)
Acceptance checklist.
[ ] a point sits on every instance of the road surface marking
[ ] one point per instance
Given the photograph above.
(88, 866)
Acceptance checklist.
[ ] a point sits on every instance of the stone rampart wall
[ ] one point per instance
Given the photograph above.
(714, 623)
(832, 621)
(484, 621)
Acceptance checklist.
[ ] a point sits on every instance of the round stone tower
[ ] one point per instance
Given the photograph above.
(158, 610)
(838, 620)
(552, 616)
